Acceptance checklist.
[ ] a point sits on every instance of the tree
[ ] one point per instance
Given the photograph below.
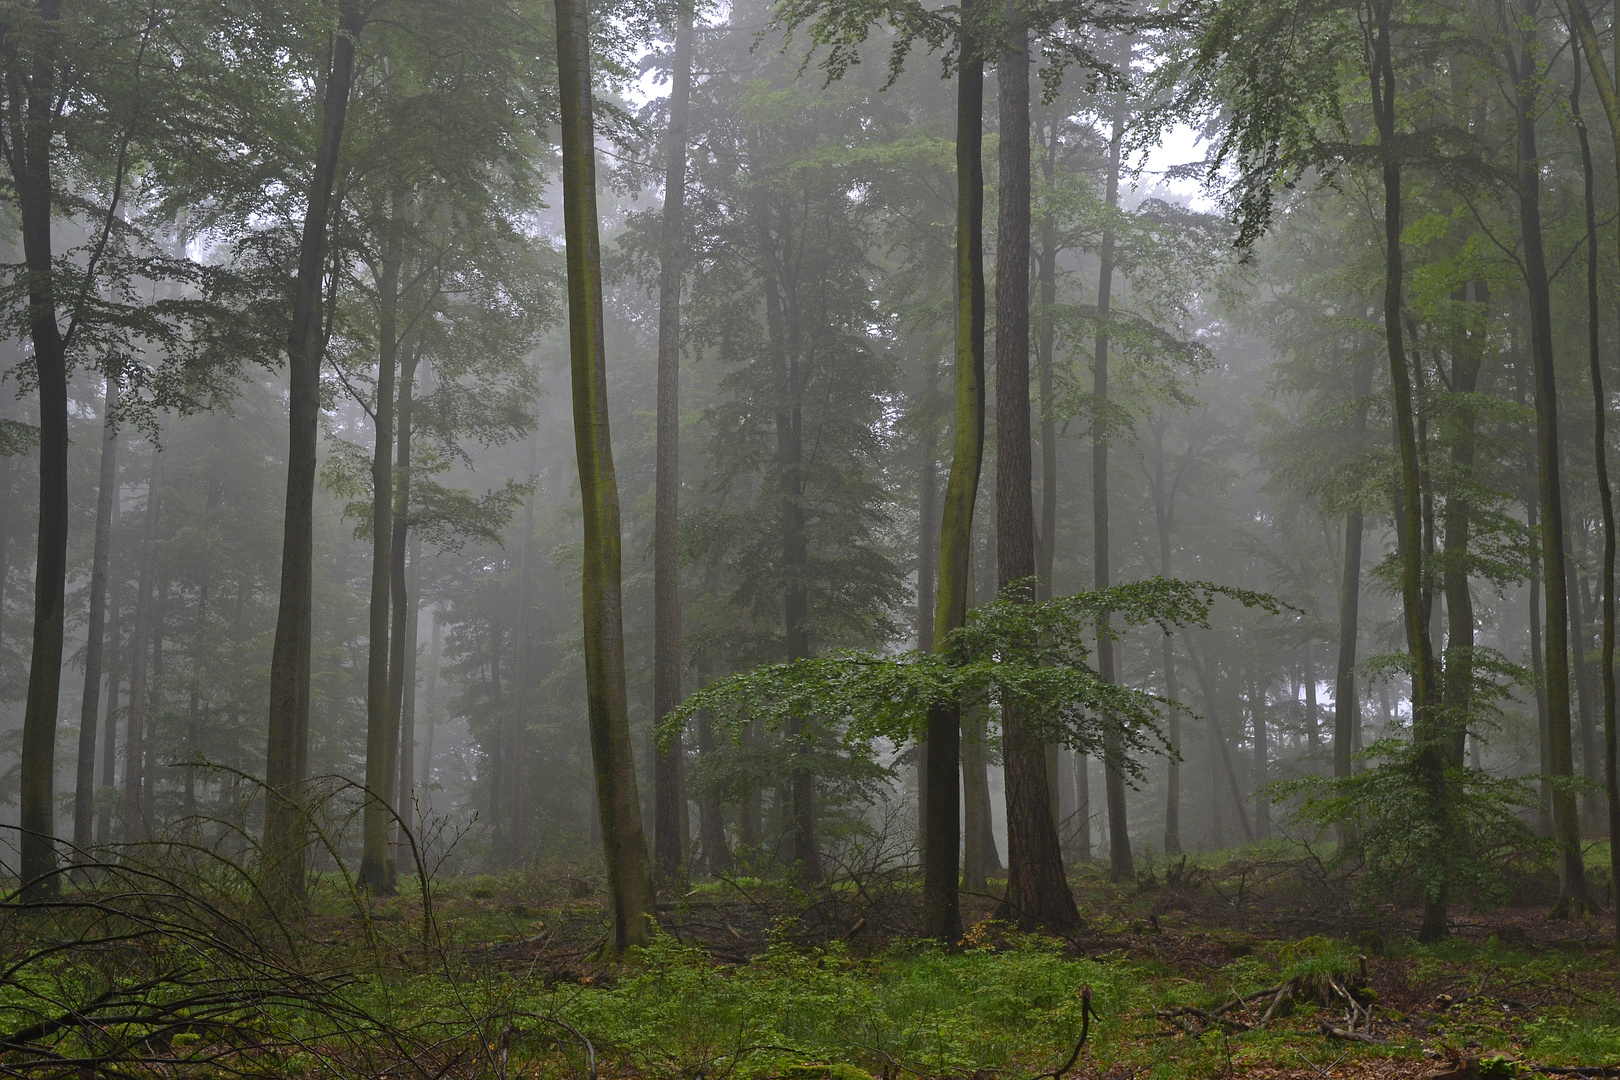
(630, 892)
(287, 741)
(669, 816)
(84, 791)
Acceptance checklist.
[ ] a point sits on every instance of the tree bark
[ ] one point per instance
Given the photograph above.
(287, 734)
(115, 677)
(1572, 898)
(132, 808)
(29, 153)
(84, 792)
(1037, 893)
(945, 754)
(1604, 83)
(403, 548)
(669, 814)
(430, 703)
(1120, 865)
(1346, 713)
(1164, 509)
(1416, 601)
(382, 725)
(624, 849)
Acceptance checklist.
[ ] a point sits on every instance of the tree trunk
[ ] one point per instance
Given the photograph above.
(1164, 510)
(1262, 764)
(1346, 714)
(1037, 893)
(194, 710)
(404, 605)
(624, 849)
(430, 703)
(1313, 727)
(1572, 898)
(1217, 737)
(115, 676)
(1427, 732)
(711, 825)
(84, 791)
(382, 723)
(1120, 865)
(669, 815)
(407, 706)
(287, 736)
(30, 159)
(1611, 109)
(945, 754)
(132, 808)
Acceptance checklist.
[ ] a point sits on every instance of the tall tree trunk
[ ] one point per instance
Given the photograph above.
(1203, 668)
(194, 710)
(1164, 509)
(1459, 431)
(624, 848)
(430, 702)
(1313, 727)
(132, 808)
(1037, 893)
(382, 727)
(1045, 347)
(1580, 638)
(1120, 864)
(1262, 763)
(1346, 710)
(115, 676)
(29, 154)
(403, 548)
(669, 815)
(1611, 109)
(1572, 898)
(408, 635)
(1415, 598)
(287, 734)
(711, 823)
(945, 755)
(84, 791)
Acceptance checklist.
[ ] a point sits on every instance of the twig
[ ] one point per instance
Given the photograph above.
(1085, 1030)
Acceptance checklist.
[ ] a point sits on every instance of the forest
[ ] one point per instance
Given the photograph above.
(809, 539)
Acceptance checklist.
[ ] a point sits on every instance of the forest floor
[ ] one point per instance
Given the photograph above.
(1261, 962)
(1255, 963)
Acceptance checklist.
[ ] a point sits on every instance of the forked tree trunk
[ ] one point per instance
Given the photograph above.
(1037, 893)
(624, 848)
(944, 753)
(84, 791)
(669, 802)
(287, 736)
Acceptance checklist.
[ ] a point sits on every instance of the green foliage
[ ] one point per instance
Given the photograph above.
(1034, 654)
(1409, 846)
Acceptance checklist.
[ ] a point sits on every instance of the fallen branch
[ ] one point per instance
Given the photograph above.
(1085, 1030)
(1332, 1032)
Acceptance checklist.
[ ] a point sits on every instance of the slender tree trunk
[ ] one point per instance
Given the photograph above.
(1037, 893)
(1045, 346)
(194, 710)
(1611, 109)
(1572, 898)
(711, 824)
(1313, 726)
(669, 815)
(1416, 601)
(404, 547)
(1203, 669)
(430, 703)
(29, 153)
(1120, 864)
(1164, 515)
(945, 753)
(1459, 430)
(382, 729)
(624, 849)
(1346, 711)
(132, 808)
(1262, 763)
(84, 791)
(1586, 693)
(287, 735)
(115, 676)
